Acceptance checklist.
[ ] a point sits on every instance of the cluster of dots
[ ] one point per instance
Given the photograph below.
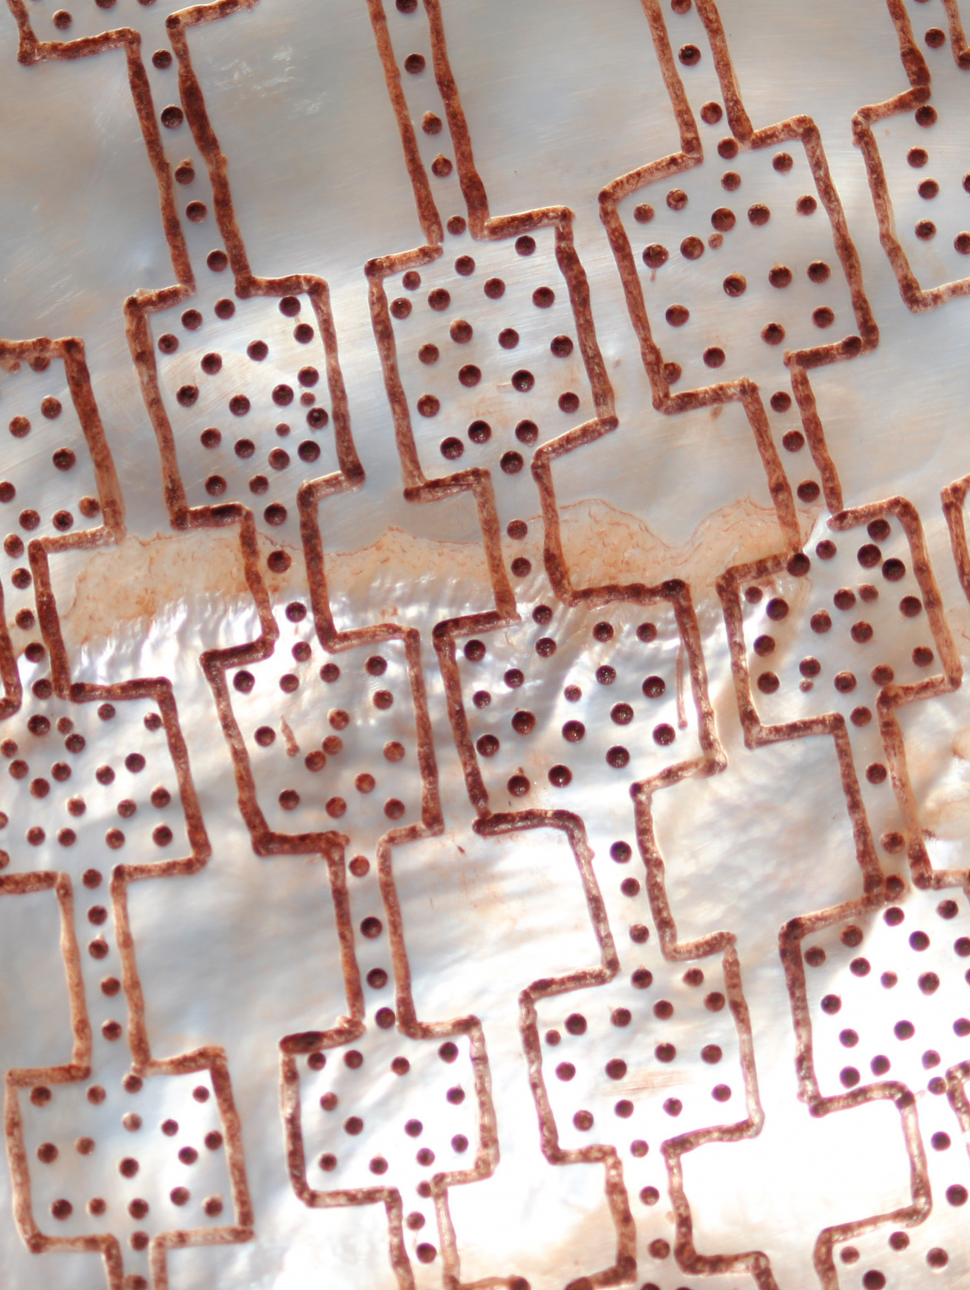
(413, 1128)
(128, 1167)
(469, 375)
(63, 20)
(665, 1052)
(873, 1279)
(239, 405)
(337, 718)
(904, 1029)
(929, 189)
(723, 220)
(523, 722)
(63, 459)
(40, 727)
(777, 609)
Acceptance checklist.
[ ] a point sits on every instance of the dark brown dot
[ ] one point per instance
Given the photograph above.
(727, 148)
(560, 776)
(171, 116)
(818, 271)
(692, 248)
(731, 181)
(773, 333)
(808, 491)
(655, 255)
(961, 243)
(917, 157)
(494, 288)
(861, 632)
(806, 205)
(922, 656)
(184, 172)
(926, 115)
(518, 786)
(643, 213)
(925, 230)
(677, 315)
(928, 189)
(622, 714)
(713, 356)
(217, 262)
(511, 462)
(723, 220)
(780, 276)
(523, 722)
(429, 405)
(735, 284)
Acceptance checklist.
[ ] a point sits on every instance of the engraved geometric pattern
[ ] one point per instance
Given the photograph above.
(486, 601)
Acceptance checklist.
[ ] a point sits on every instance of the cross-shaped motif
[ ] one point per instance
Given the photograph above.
(530, 754)
(364, 1164)
(905, 140)
(834, 963)
(220, 365)
(688, 279)
(495, 353)
(73, 860)
(95, 815)
(856, 597)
